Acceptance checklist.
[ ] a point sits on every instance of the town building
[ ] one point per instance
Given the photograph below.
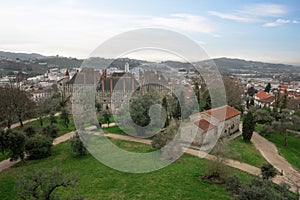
(222, 120)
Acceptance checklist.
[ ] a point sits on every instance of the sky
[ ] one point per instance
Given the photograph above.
(253, 30)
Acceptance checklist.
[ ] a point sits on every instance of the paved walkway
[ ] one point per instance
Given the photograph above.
(292, 131)
(270, 152)
(265, 147)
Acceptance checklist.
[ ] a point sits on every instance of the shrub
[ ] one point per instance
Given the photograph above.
(3, 141)
(268, 171)
(233, 185)
(257, 189)
(30, 131)
(50, 131)
(164, 136)
(77, 145)
(16, 144)
(38, 146)
(267, 129)
(65, 117)
(216, 169)
(52, 119)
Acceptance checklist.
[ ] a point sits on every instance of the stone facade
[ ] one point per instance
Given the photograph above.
(223, 120)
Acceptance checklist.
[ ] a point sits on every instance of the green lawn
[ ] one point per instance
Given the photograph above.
(292, 152)
(245, 152)
(3, 156)
(62, 129)
(114, 129)
(102, 121)
(180, 180)
(258, 127)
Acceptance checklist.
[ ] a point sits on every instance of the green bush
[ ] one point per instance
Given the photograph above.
(268, 171)
(16, 144)
(38, 146)
(30, 131)
(77, 145)
(50, 131)
(233, 185)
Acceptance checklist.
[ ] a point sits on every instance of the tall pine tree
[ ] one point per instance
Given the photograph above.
(248, 127)
(268, 88)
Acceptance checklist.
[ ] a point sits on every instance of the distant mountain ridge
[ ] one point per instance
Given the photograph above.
(238, 65)
(225, 65)
(22, 56)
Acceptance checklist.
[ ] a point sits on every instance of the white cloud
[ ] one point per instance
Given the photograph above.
(185, 22)
(296, 22)
(253, 13)
(265, 9)
(234, 17)
(77, 31)
(278, 22)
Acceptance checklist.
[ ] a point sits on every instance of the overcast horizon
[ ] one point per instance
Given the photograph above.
(266, 31)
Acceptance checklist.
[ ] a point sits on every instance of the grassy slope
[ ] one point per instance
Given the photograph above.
(114, 129)
(62, 129)
(179, 180)
(245, 152)
(292, 152)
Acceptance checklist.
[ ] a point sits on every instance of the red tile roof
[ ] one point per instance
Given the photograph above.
(204, 124)
(283, 86)
(262, 95)
(223, 113)
(269, 99)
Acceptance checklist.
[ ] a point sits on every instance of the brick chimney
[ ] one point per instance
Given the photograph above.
(110, 83)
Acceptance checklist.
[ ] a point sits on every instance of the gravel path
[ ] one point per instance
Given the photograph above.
(267, 149)
(270, 152)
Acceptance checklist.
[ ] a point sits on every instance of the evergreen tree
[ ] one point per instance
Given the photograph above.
(197, 91)
(52, 118)
(207, 99)
(177, 113)
(77, 145)
(106, 117)
(268, 88)
(248, 127)
(165, 106)
(252, 102)
(284, 101)
(65, 117)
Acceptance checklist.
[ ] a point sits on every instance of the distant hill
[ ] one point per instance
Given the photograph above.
(239, 66)
(227, 64)
(22, 56)
(61, 62)
(35, 64)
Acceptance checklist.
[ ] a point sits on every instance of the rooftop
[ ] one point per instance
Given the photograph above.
(223, 113)
(262, 95)
(204, 124)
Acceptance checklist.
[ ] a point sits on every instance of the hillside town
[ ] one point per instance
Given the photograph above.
(150, 100)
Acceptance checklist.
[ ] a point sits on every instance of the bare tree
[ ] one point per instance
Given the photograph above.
(15, 103)
(233, 90)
